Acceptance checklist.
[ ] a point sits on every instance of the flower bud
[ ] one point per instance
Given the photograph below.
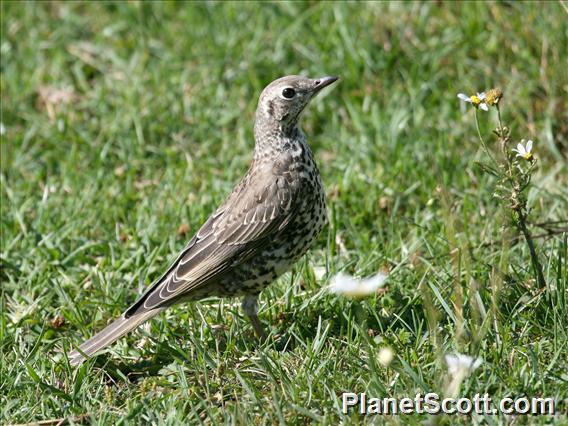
(493, 96)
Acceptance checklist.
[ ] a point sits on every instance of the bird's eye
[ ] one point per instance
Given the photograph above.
(288, 93)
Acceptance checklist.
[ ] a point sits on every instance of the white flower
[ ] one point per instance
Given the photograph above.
(460, 364)
(459, 367)
(524, 151)
(477, 101)
(386, 356)
(348, 286)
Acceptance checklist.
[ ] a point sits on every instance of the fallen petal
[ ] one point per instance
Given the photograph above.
(348, 286)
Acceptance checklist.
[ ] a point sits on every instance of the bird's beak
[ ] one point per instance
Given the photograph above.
(322, 82)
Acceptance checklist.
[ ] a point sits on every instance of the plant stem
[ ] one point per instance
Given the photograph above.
(534, 258)
(483, 141)
(503, 139)
(500, 122)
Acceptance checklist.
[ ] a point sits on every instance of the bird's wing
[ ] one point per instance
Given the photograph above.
(261, 205)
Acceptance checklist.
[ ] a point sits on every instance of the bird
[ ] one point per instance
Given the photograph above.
(266, 224)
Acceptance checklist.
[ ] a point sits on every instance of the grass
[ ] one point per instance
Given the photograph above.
(153, 127)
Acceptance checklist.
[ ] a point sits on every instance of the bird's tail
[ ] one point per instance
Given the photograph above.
(109, 335)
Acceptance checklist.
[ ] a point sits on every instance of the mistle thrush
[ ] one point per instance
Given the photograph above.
(265, 225)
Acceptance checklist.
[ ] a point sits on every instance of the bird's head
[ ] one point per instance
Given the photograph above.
(283, 100)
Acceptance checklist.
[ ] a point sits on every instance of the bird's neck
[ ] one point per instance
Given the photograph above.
(273, 137)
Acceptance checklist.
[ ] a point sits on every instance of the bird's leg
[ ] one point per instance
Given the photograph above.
(250, 307)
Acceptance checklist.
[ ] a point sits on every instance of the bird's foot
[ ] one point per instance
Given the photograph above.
(258, 328)
(250, 307)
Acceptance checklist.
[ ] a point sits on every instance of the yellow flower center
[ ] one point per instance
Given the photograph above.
(527, 156)
(475, 100)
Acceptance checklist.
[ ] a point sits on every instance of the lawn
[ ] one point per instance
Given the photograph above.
(125, 124)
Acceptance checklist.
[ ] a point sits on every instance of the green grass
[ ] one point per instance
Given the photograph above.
(158, 130)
